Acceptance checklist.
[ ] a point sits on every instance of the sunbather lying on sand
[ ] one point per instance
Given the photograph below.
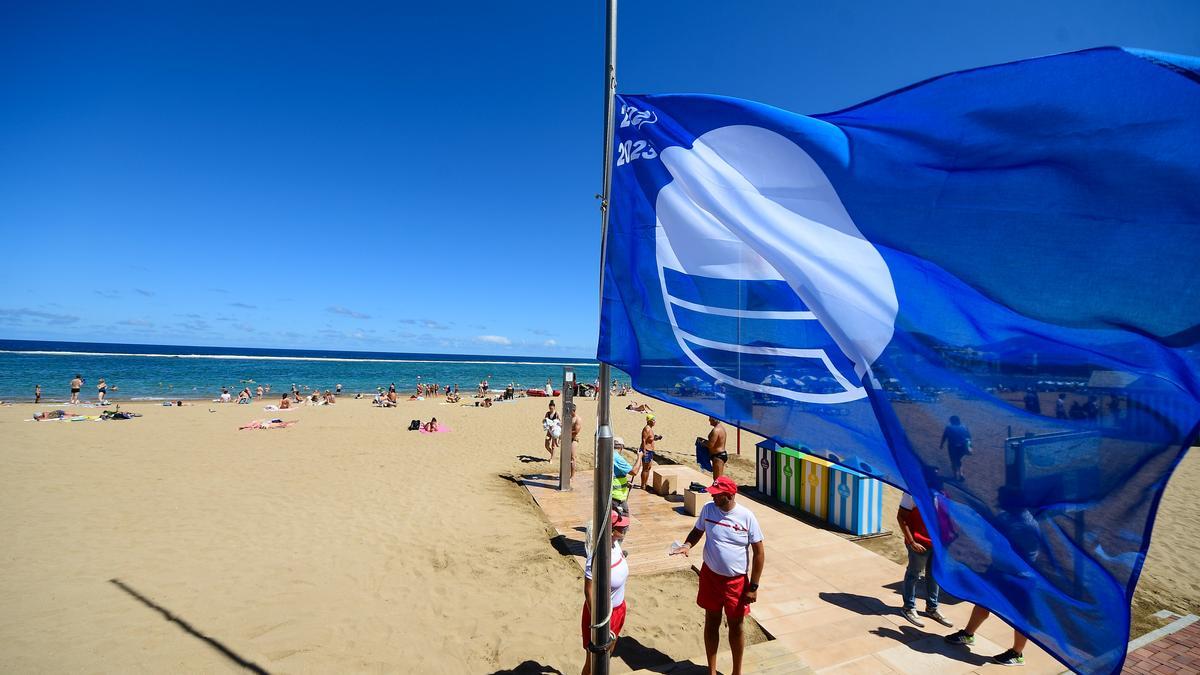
(639, 407)
(52, 415)
(268, 424)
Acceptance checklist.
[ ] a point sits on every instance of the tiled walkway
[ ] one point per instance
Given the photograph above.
(832, 602)
(1177, 652)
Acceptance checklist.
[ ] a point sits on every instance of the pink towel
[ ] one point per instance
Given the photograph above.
(442, 428)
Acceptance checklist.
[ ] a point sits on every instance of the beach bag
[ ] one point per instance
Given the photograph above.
(414, 425)
(945, 526)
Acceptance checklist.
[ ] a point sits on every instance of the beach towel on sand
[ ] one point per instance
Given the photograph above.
(703, 458)
(268, 424)
(442, 428)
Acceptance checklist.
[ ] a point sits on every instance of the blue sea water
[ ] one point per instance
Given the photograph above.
(148, 372)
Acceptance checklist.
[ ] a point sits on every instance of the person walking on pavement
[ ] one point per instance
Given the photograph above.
(920, 560)
(1015, 656)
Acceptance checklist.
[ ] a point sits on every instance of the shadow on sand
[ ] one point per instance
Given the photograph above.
(187, 627)
(529, 668)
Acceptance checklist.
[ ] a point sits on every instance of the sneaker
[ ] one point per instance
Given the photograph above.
(938, 617)
(910, 614)
(961, 637)
(1009, 658)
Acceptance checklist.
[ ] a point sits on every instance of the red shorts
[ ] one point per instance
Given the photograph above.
(719, 592)
(614, 625)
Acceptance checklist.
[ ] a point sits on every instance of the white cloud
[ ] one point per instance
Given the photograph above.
(194, 326)
(244, 327)
(494, 340)
(550, 343)
(430, 323)
(15, 316)
(336, 334)
(344, 311)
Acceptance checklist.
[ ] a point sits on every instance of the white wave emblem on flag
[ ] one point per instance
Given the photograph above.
(769, 285)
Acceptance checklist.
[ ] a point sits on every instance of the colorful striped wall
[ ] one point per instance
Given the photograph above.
(845, 498)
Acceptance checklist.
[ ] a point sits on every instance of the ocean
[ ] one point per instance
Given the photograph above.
(161, 372)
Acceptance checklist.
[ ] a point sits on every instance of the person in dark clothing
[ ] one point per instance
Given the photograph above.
(1032, 403)
(958, 439)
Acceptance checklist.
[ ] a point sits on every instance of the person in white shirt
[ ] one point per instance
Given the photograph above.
(619, 574)
(729, 576)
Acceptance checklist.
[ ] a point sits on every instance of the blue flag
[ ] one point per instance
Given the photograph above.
(981, 286)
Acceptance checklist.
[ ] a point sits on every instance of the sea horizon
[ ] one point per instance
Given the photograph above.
(211, 351)
(135, 371)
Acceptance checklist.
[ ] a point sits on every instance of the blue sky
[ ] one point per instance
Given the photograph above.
(379, 177)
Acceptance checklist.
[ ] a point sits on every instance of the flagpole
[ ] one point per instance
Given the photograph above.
(601, 500)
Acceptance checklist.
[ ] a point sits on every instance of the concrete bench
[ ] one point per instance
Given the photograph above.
(692, 501)
(665, 481)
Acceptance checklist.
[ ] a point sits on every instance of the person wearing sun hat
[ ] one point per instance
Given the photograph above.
(729, 577)
(617, 578)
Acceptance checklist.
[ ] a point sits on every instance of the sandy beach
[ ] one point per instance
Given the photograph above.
(346, 543)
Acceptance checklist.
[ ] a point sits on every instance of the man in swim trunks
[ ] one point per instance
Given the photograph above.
(76, 385)
(576, 427)
(716, 447)
(646, 451)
